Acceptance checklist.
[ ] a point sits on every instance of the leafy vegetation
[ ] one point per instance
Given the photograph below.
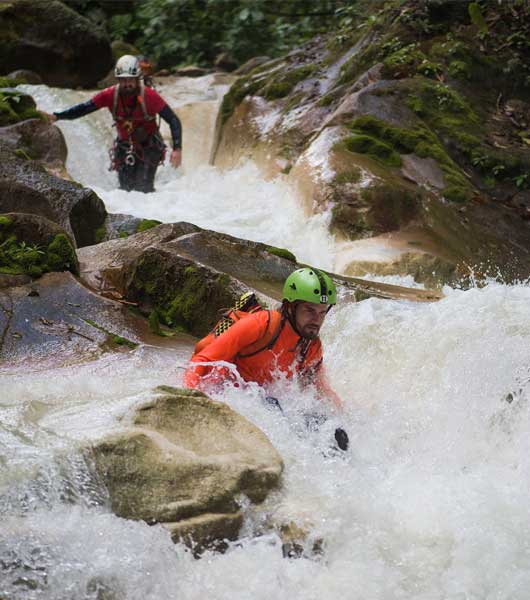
(20, 258)
(16, 106)
(177, 32)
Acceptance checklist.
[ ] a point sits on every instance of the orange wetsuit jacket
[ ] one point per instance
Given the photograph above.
(286, 355)
(289, 354)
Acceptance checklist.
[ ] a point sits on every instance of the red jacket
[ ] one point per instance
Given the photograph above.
(129, 110)
(284, 356)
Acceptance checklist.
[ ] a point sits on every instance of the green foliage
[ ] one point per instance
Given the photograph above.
(477, 18)
(5, 222)
(408, 61)
(6, 82)
(31, 259)
(174, 32)
(16, 106)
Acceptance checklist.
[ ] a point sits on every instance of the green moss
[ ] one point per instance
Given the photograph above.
(372, 147)
(146, 224)
(154, 322)
(408, 61)
(121, 341)
(186, 298)
(18, 257)
(123, 234)
(352, 175)
(246, 86)
(281, 85)
(420, 141)
(112, 338)
(326, 100)
(277, 90)
(457, 193)
(187, 303)
(100, 234)
(5, 222)
(21, 153)
(294, 101)
(16, 106)
(61, 255)
(282, 253)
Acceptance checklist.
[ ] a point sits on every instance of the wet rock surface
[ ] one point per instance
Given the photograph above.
(25, 186)
(37, 140)
(63, 47)
(354, 123)
(185, 274)
(185, 462)
(56, 320)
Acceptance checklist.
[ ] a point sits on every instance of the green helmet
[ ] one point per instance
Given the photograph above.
(310, 285)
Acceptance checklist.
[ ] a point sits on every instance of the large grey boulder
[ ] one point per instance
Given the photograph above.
(187, 462)
(25, 186)
(37, 140)
(45, 36)
(184, 273)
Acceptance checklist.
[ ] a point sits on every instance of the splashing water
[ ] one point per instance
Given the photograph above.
(432, 501)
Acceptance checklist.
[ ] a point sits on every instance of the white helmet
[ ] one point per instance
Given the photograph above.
(127, 66)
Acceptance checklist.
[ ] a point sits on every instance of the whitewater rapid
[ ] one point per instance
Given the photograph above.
(432, 502)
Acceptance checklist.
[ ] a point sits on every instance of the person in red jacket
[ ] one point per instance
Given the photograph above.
(265, 342)
(139, 148)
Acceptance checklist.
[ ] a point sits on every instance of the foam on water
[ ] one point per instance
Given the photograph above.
(431, 503)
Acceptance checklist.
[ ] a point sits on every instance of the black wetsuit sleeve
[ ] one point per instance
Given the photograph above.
(174, 124)
(79, 110)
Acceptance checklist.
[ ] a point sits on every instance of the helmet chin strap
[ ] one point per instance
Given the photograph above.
(289, 310)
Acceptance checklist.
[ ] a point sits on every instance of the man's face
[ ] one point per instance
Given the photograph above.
(128, 85)
(309, 317)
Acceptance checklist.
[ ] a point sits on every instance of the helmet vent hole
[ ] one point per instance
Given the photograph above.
(316, 292)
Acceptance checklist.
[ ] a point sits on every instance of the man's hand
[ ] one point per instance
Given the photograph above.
(175, 158)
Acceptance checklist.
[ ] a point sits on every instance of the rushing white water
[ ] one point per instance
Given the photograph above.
(432, 502)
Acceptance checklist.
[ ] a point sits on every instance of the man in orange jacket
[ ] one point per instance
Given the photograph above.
(267, 342)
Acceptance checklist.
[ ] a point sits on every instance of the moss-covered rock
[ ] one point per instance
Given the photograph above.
(373, 210)
(32, 245)
(146, 224)
(282, 253)
(185, 296)
(16, 106)
(26, 187)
